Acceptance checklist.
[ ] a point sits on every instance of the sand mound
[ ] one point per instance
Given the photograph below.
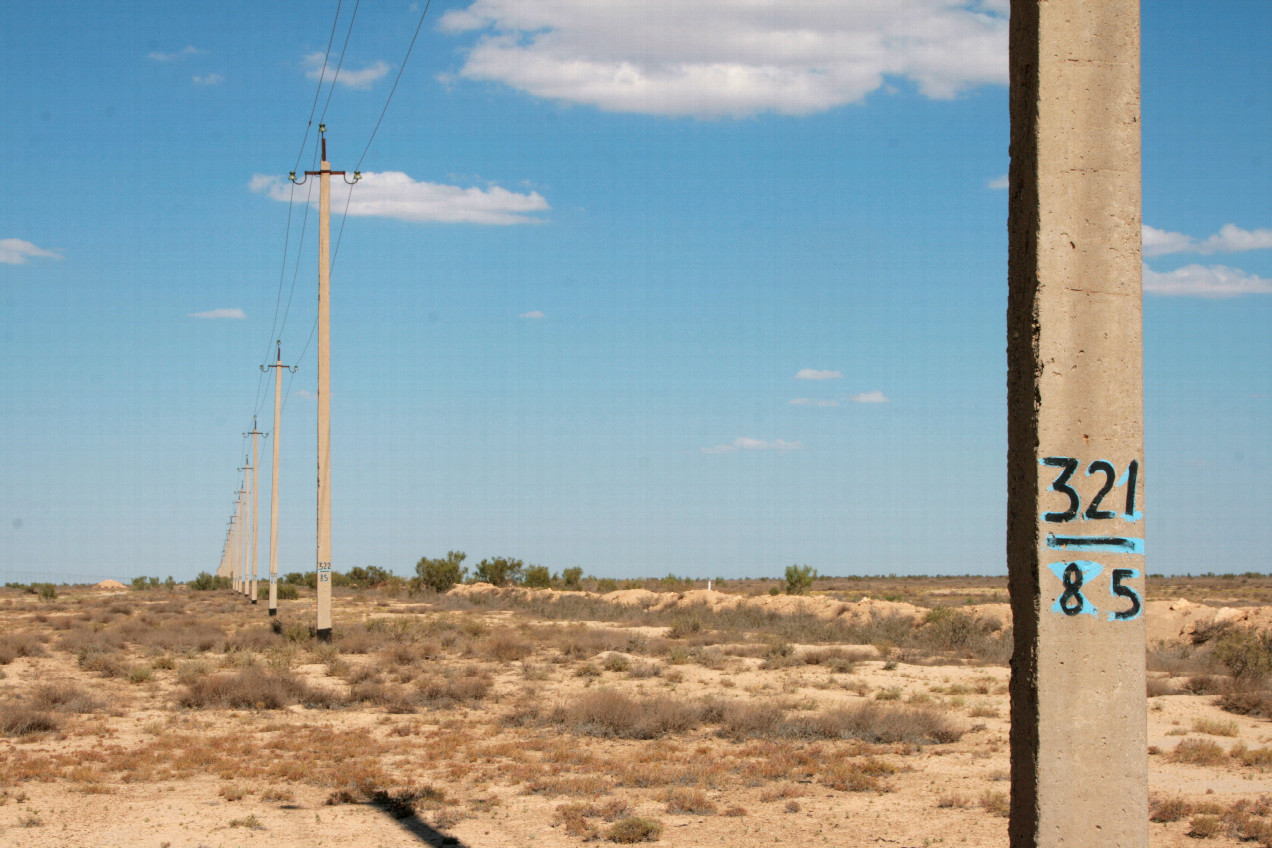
(109, 584)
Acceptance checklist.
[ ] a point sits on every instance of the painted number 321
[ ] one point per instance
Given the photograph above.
(1068, 465)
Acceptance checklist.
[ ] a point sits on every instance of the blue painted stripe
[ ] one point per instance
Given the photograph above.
(1099, 544)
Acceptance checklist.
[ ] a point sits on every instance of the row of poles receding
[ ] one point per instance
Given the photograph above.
(239, 555)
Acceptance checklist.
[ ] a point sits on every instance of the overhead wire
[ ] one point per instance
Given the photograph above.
(344, 48)
(321, 74)
(396, 79)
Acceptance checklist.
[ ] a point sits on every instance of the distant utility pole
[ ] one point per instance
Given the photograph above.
(243, 493)
(255, 535)
(324, 384)
(278, 367)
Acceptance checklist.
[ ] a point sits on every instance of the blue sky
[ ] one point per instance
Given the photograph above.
(641, 286)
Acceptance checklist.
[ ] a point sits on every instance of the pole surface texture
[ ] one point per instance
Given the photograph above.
(1075, 466)
(324, 399)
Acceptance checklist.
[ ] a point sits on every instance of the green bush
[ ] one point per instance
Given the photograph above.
(286, 591)
(205, 582)
(606, 585)
(1248, 655)
(799, 579)
(499, 571)
(571, 577)
(301, 578)
(537, 577)
(367, 578)
(443, 573)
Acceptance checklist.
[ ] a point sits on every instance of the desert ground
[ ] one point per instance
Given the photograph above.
(866, 712)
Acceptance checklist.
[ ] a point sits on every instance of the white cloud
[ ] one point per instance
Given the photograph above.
(347, 77)
(1215, 281)
(713, 58)
(208, 79)
(813, 402)
(532, 314)
(16, 252)
(393, 194)
(870, 397)
(190, 50)
(218, 313)
(814, 374)
(1229, 239)
(306, 394)
(998, 183)
(746, 443)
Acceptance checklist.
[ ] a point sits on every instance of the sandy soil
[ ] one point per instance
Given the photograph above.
(137, 768)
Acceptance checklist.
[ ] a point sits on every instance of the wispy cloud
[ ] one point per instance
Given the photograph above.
(1229, 239)
(392, 194)
(305, 394)
(17, 252)
(814, 374)
(746, 443)
(218, 313)
(347, 76)
(532, 314)
(208, 79)
(1214, 281)
(813, 402)
(870, 397)
(190, 50)
(732, 57)
(998, 183)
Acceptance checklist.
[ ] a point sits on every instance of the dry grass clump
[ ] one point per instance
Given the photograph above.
(395, 699)
(1214, 726)
(858, 775)
(63, 696)
(254, 688)
(634, 829)
(874, 722)
(439, 691)
(610, 714)
(505, 646)
(22, 644)
(690, 801)
(1199, 752)
(23, 720)
(1251, 702)
(996, 803)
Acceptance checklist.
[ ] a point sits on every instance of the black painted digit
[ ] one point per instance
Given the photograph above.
(1072, 580)
(1132, 477)
(1116, 587)
(1061, 485)
(1110, 474)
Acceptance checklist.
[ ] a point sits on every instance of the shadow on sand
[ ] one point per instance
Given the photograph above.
(417, 827)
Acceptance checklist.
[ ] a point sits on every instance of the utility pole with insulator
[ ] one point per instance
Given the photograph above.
(255, 535)
(324, 384)
(278, 367)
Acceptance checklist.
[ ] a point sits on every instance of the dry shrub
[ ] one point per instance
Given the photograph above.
(1168, 809)
(24, 644)
(1260, 758)
(858, 775)
(393, 698)
(1251, 702)
(874, 722)
(996, 803)
(954, 800)
(644, 670)
(63, 696)
(782, 790)
(106, 662)
(1214, 726)
(611, 714)
(256, 639)
(21, 720)
(581, 642)
(1207, 684)
(1157, 686)
(254, 688)
(188, 672)
(1205, 827)
(505, 646)
(634, 829)
(744, 719)
(690, 801)
(1199, 752)
(439, 691)
(588, 786)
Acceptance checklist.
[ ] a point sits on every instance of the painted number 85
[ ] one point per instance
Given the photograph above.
(1077, 574)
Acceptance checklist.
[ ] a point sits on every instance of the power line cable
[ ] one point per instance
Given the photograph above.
(344, 48)
(389, 99)
(309, 124)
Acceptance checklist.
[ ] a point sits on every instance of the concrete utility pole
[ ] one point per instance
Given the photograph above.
(243, 525)
(255, 535)
(1075, 473)
(278, 367)
(324, 385)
